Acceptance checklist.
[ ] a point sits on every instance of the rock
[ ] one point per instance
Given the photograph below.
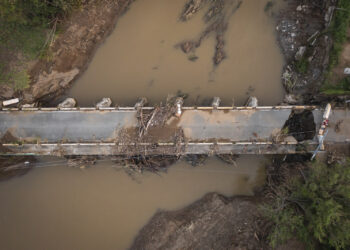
(290, 139)
(302, 8)
(216, 102)
(53, 82)
(347, 71)
(290, 99)
(141, 102)
(105, 102)
(10, 102)
(32, 105)
(300, 53)
(252, 102)
(68, 103)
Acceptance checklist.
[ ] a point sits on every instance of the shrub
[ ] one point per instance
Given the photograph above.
(315, 210)
(341, 88)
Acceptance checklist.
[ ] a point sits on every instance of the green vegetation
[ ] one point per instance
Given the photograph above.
(338, 29)
(302, 65)
(341, 88)
(314, 209)
(34, 12)
(27, 27)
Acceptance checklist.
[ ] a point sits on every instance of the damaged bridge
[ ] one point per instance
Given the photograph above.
(162, 131)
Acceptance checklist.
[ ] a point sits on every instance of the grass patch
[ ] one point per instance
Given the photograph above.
(302, 65)
(341, 88)
(21, 80)
(338, 29)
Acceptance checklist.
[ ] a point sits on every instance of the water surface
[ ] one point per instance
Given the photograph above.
(140, 58)
(58, 207)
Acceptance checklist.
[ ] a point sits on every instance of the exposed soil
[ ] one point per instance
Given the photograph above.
(214, 222)
(71, 52)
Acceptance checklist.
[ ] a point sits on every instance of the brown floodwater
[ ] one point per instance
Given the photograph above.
(57, 207)
(140, 58)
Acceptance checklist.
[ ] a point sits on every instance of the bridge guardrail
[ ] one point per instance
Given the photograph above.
(309, 107)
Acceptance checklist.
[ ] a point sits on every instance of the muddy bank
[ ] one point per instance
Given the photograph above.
(304, 40)
(213, 222)
(71, 52)
(14, 166)
(219, 222)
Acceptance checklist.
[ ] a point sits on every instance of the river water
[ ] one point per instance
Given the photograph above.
(57, 207)
(140, 58)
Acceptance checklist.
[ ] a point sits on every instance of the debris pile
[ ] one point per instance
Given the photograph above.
(305, 43)
(216, 19)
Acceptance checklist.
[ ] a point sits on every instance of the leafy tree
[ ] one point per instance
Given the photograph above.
(34, 12)
(316, 210)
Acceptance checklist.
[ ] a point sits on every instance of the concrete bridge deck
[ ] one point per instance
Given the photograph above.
(113, 131)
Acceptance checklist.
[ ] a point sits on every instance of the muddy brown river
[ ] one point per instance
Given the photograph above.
(140, 58)
(57, 207)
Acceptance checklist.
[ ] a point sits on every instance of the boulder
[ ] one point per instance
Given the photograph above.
(68, 103)
(290, 99)
(300, 53)
(32, 105)
(252, 102)
(104, 103)
(216, 102)
(141, 102)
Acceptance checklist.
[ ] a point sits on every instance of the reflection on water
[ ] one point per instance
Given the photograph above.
(102, 207)
(140, 58)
